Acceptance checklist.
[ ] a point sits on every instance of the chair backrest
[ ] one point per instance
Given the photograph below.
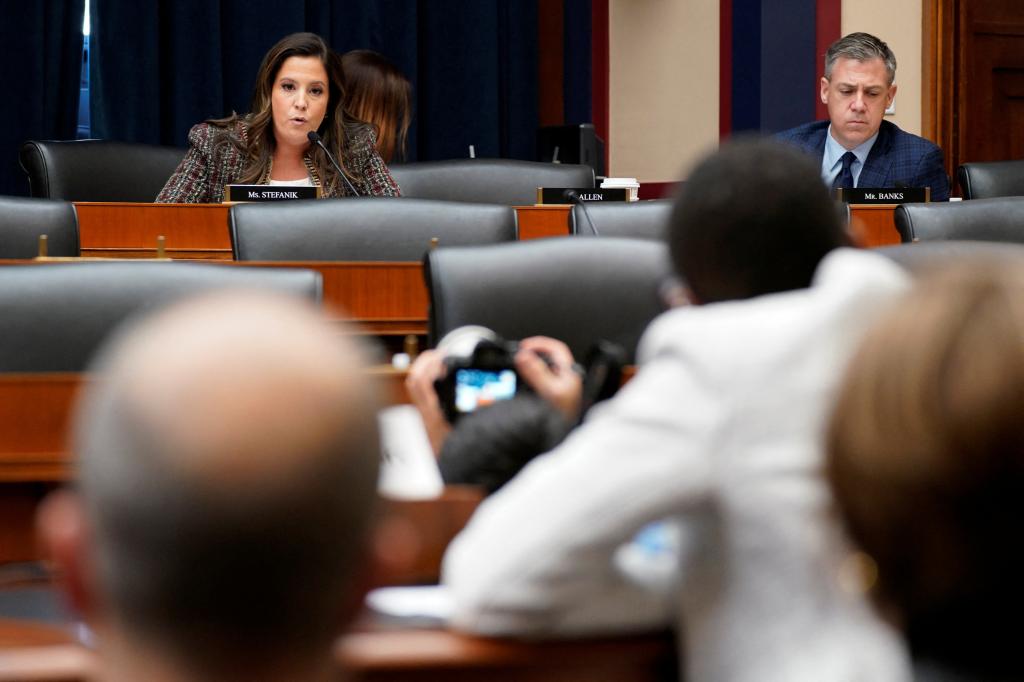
(576, 290)
(363, 229)
(97, 170)
(22, 221)
(924, 256)
(55, 316)
(636, 219)
(492, 181)
(991, 179)
(987, 220)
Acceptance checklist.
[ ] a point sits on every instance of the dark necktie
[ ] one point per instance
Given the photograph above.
(845, 177)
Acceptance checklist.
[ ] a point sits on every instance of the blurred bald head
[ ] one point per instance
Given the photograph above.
(228, 459)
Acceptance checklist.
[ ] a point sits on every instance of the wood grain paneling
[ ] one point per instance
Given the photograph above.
(974, 79)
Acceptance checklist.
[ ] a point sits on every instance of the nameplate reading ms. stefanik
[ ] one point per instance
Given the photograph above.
(561, 195)
(269, 192)
(884, 195)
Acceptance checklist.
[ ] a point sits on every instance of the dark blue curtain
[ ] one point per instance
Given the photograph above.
(788, 47)
(774, 64)
(40, 78)
(577, 85)
(159, 67)
(746, 65)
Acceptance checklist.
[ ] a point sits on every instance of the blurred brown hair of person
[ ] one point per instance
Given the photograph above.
(227, 463)
(378, 93)
(926, 458)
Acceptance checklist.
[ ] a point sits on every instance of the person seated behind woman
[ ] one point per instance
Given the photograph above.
(926, 459)
(299, 89)
(378, 93)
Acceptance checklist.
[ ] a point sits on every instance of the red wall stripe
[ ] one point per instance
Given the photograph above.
(725, 69)
(551, 52)
(600, 68)
(658, 190)
(828, 25)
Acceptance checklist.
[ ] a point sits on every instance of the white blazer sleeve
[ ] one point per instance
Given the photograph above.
(538, 556)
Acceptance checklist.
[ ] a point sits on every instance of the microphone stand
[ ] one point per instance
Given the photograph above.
(574, 197)
(315, 139)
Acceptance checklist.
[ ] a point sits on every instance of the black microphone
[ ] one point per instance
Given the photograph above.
(315, 139)
(573, 197)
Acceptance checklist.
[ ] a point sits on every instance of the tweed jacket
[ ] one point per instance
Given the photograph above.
(213, 160)
(897, 157)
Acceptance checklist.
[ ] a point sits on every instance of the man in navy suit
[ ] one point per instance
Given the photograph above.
(856, 147)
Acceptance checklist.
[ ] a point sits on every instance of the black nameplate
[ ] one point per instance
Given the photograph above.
(557, 195)
(884, 195)
(269, 192)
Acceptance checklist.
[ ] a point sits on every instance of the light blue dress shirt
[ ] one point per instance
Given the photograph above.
(832, 159)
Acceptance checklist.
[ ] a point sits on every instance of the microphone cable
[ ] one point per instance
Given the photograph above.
(574, 197)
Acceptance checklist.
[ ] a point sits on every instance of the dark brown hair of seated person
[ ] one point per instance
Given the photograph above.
(926, 459)
(489, 447)
(753, 218)
(336, 130)
(379, 94)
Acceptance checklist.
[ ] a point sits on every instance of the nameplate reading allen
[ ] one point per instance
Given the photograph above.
(560, 195)
(269, 192)
(884, 195)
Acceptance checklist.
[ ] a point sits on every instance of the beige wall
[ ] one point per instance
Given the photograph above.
(664, 77)
(899, 24)
(663, 85)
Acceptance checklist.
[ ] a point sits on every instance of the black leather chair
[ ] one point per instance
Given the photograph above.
(636, 219)
(924, 256)
(492, 181)
(576, 290)
(55, 316)
(363, 229)
(989, 220)
(22, 221)
(991, 179)
(97, 170)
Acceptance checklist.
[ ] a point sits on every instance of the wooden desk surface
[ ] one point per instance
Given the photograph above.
(432, 654)
(130, 230)
(35, 411)
(200, 231)
(874, 225)
(386, 298)
(541, 221)
(380, 297)
(44, 653)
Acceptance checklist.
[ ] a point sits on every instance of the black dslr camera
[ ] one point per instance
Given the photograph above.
(483, 377)
(480, 371)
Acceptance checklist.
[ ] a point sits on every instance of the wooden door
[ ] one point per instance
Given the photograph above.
(974, 79)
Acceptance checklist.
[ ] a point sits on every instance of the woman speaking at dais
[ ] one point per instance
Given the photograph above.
(299, 89)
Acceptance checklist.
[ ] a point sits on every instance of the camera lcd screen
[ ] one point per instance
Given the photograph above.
(476, 388)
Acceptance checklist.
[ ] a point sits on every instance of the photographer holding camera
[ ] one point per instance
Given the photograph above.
(490, 445)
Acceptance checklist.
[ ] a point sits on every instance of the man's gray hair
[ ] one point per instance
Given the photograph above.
(863, 47)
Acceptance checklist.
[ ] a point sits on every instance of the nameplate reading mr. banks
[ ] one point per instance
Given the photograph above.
(884, 195)
(269, 192)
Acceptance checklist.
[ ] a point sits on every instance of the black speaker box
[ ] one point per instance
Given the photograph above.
(575, 144)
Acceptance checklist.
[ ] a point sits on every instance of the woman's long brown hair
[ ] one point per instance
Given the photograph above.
(379, 94)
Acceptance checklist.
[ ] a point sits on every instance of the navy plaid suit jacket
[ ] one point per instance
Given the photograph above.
(897, 157)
